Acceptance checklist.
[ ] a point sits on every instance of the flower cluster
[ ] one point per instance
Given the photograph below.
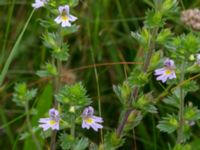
(51, 122)
(191, 18)
(167, 72)
(89, 120)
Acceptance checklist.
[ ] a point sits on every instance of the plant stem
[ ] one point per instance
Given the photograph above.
(136, 88)
(30, 127)
(73, 127)
(98, 92)
(181, 108)
(14, 50)
(57, 85)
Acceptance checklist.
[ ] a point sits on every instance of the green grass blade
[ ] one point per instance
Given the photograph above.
(10, 12)
(14, 51)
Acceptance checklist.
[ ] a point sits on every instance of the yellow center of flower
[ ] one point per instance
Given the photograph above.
(168, 72)
(52, 122)
(64, 16)
(89, 120)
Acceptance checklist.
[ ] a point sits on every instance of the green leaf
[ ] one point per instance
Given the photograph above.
(81, 144)
(186, 132)
(164, 36)
(172, 100)
(154, 19)
(49, 70)
(143, 37)
(61, 53)
(69, 30)
(73, 95)
(145, 103)
(54, 42)
(123, 92)
(67, 141)
(137, 77)
(168, 124)
(183, 147)
(133, 120)
(191, 43)
(112, 141)
(169, 7)
(22, 95)
(190, 86)
(191, 113)
(155, 59)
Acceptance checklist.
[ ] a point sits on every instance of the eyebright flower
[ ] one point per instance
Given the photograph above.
(65, 18)
(39, 3)
(166, 72)
(89, 120)
(51, 122)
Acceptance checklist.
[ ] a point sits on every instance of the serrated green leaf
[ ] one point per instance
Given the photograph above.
(81, 144)
(22, 95)
(112, 141)
(123, 92)
(163, 36)
(73, 95)
(168, 124)
(154, 19)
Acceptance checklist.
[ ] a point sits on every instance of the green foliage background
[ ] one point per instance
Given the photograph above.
(105, 28)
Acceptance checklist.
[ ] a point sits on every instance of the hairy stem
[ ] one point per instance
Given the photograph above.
(37, 144)
(181, 108)
(73, 126)
(136, 88)
(57, 85)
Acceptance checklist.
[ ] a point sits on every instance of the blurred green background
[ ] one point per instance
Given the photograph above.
(105, 28)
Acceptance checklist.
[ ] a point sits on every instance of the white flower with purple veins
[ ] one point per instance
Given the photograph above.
(65, 18)
(166, 72)
(51, 122)
(89, 120)
(39, 3)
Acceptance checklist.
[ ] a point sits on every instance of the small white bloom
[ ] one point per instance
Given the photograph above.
(51, 122)
(65, 18)
(89, 120)
(39, 3)
(167, 72)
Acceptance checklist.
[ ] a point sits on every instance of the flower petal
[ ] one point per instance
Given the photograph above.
(72, 18)
(66, 24)
(58, 20)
